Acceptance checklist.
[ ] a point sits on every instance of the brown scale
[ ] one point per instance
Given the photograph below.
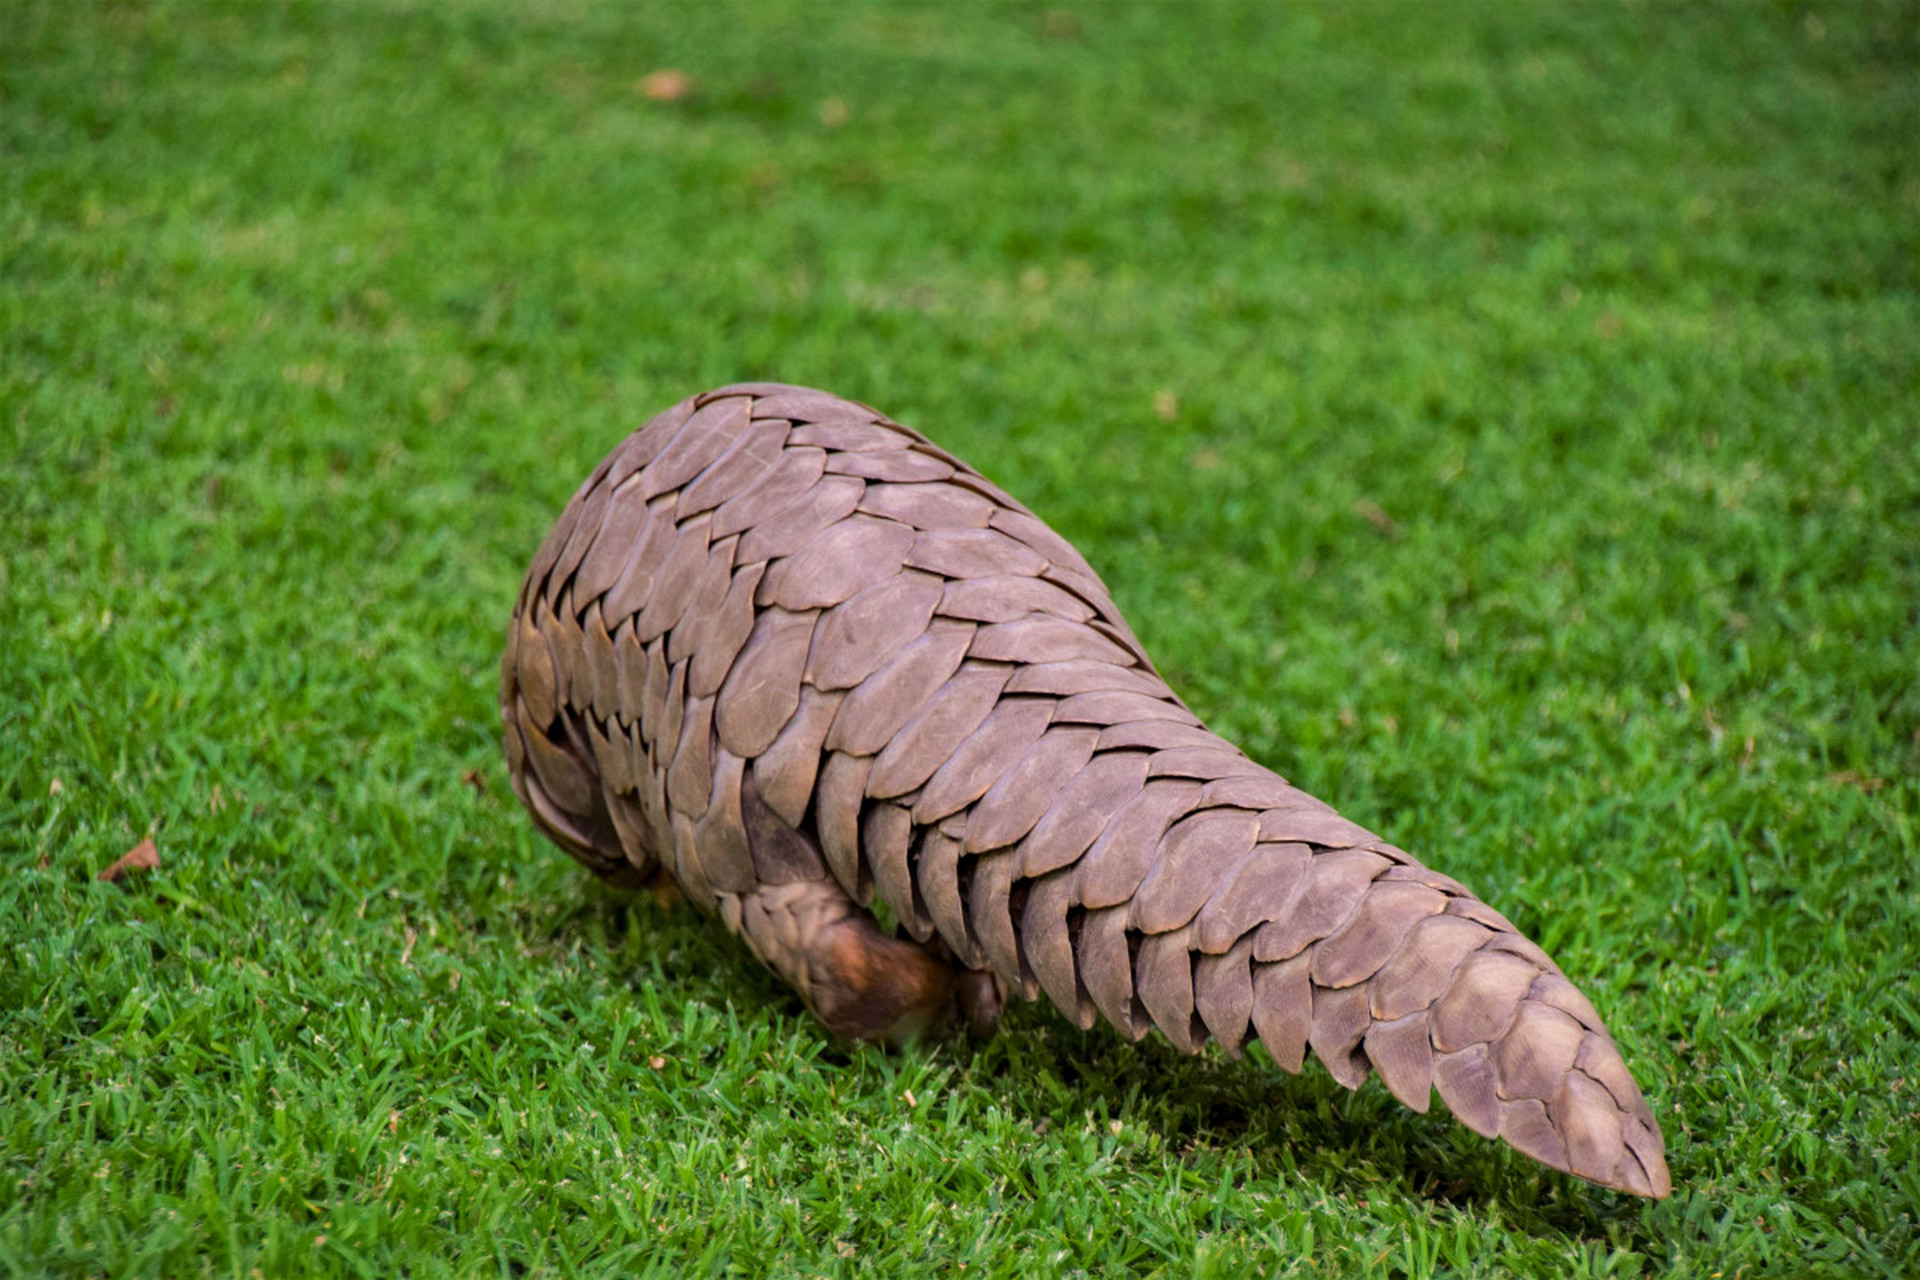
(790, 655)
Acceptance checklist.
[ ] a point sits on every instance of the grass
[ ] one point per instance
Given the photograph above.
(1500, 419)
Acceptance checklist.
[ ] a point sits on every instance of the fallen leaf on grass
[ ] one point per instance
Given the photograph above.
(1061, 25)
(475, 779)
(142, 857)
(1372, 513)
(665, 85)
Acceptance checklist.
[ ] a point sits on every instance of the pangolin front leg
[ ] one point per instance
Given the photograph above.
(793, 655)
(860, 982)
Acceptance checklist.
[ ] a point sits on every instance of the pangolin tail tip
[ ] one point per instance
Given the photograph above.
(1602, 1133)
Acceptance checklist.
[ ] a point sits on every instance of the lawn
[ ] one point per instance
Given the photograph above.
(1503, 420)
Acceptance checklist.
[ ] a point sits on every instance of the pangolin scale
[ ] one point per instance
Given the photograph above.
(794, 655)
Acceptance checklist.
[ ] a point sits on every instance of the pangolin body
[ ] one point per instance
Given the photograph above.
(794, 655)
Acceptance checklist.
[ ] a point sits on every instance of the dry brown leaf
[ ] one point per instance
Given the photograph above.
(475, 779)
(142, 857)
(1372, 513)
(669, 84)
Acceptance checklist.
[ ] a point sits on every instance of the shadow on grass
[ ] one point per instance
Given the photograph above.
(1268, 1127)
(1303, 1129)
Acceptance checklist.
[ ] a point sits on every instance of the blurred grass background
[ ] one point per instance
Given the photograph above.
(1500, 419)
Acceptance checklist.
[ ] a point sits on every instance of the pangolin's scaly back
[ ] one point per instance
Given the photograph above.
(772, 615)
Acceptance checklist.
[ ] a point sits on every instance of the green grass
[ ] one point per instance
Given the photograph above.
(1504, 420)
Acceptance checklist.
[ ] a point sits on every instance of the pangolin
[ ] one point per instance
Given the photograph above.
(794, 656)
